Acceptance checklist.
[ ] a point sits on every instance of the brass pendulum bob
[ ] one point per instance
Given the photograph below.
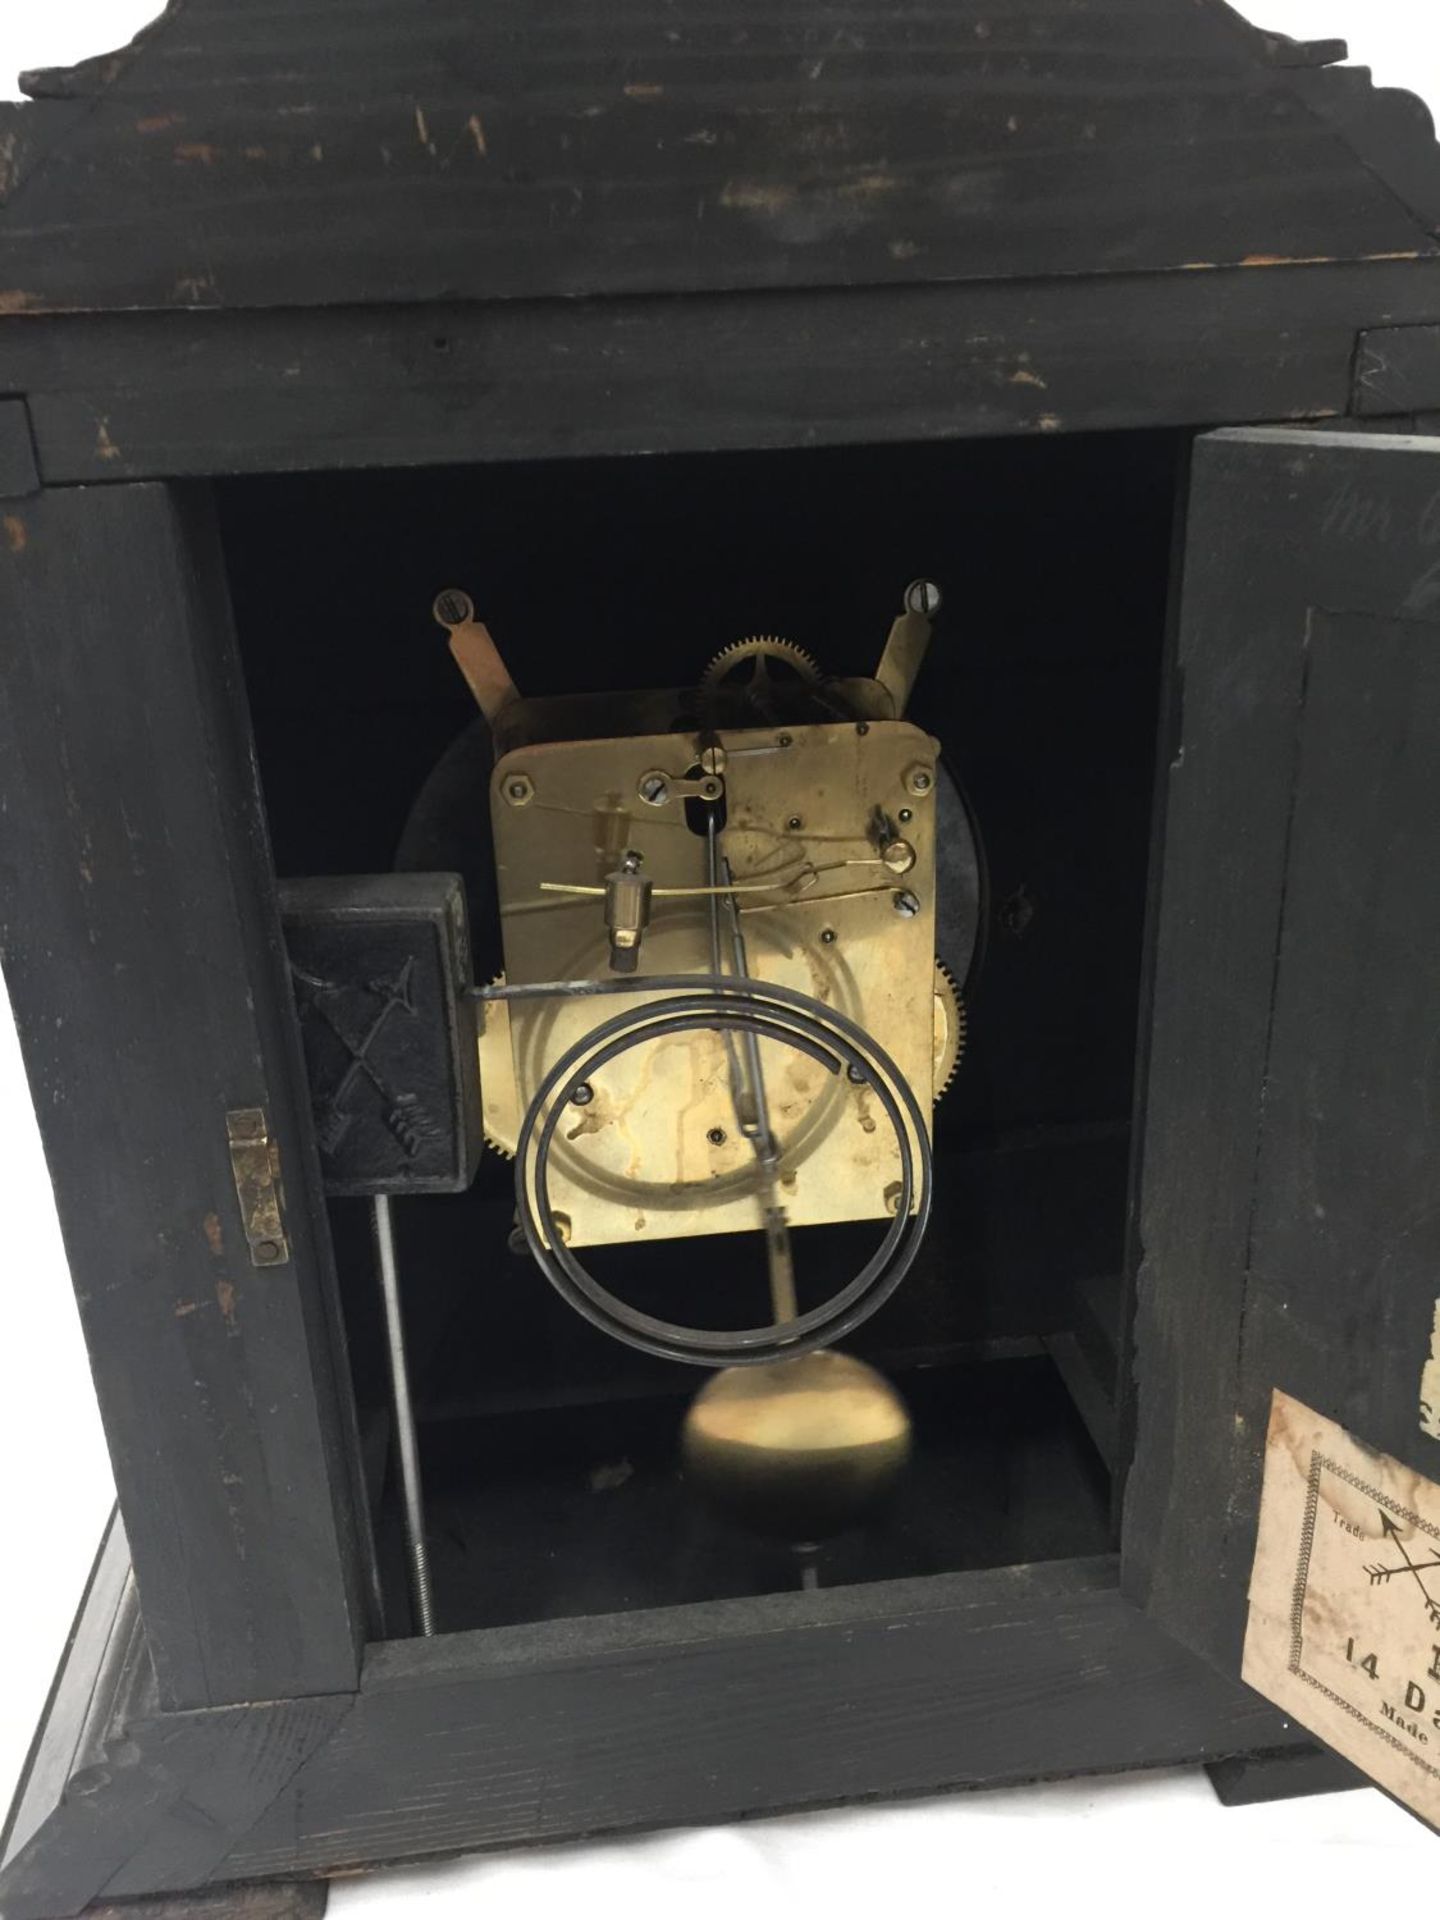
(796, 1450)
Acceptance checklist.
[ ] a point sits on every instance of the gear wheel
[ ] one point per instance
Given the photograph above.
(763, 663)
(949, 1029)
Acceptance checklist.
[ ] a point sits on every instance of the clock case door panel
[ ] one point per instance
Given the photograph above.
(1288, 1179)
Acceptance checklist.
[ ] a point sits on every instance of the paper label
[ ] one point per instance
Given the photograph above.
(1344, 1625)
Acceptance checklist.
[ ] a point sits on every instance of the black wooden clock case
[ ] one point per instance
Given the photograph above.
(1127, 316)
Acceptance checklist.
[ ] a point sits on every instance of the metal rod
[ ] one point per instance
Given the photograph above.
(744, 1115)
(759, 1128)
(805, 874)
(747, 1091)
(778, 1253)
(712, 890)
(405, 1436)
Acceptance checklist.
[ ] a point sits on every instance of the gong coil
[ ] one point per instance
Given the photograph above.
(721, 1003)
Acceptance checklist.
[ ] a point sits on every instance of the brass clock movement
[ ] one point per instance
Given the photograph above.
(733, 988)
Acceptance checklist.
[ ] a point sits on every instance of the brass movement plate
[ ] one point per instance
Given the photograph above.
(657, 1152)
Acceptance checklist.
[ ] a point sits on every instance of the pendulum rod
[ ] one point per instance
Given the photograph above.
(748, 1091)
(407, 1443)
(777, 1228)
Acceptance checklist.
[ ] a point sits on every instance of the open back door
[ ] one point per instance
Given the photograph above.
(1287, 1355)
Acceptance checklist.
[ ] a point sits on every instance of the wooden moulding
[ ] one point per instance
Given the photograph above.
(122, 397)
(520, 1735)
(208, 165)
(895, 226)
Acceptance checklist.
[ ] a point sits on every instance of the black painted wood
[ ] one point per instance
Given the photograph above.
(123, 397)
(18, 472)
(163, 1805)
(86, 1774)
(1397, 370)
(330, 235)
(1291, 1187)
(27, 131)
(329, 155)
(264, 1900)
(139, 930)
(530, 1734)
(705, 1713)
(101, 1647)
(1256, 1779)
(749, 167)
(1390, 130)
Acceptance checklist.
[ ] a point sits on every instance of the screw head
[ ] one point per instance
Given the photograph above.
(716, 1136)
(453, 607)
(905, 903)
(923, 596)
(654, 789)
(919, 780)
(267, 1250)
(582, 1095)
(519, 789)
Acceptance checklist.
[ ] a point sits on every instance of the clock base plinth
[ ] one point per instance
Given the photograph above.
(1252, 1779)
(134, 1812)
(264, 1900)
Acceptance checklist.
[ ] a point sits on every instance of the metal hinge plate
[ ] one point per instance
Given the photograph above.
(255, 1162)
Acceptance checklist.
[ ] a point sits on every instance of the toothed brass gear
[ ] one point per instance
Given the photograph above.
(749, 666)
(949, 1029)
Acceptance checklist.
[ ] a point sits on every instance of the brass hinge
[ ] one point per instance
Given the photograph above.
(255, 1162)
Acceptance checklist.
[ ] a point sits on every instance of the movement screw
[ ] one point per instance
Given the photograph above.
(923, 596)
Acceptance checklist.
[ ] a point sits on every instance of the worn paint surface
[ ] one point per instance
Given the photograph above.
(831, 147)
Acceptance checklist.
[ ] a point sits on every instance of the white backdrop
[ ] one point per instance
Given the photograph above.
(1132, 1846)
